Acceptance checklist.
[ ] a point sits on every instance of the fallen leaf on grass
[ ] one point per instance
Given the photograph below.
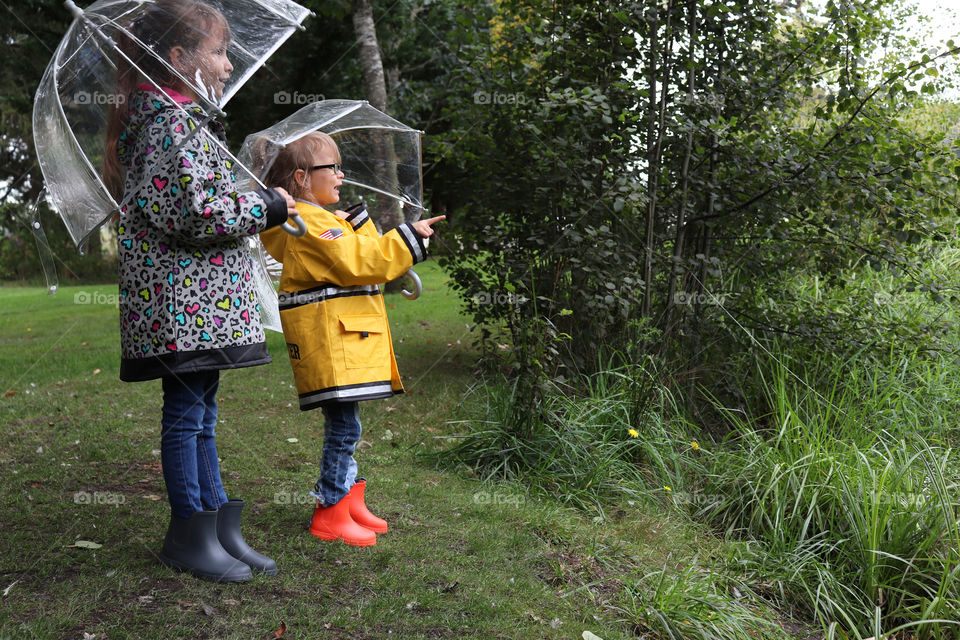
(589, 635)
(292, 440)
(278, 633)
(210, 611)
(9, 394)
(84, 544)
(96, 371)
(152, 497)
(7, 590)
(448, 587)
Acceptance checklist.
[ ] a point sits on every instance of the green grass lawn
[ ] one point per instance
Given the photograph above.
(80, 454)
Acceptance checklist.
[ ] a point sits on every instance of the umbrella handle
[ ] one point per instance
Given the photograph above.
(295, 231)
(417, 286)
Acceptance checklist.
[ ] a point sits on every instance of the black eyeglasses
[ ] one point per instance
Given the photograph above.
(336, 166)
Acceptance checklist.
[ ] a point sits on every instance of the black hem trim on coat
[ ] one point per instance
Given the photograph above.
(236, 357)
(348, 393)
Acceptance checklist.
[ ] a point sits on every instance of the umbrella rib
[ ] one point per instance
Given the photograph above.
(373, 126)
(296, 23)
(260, 63)
(173, 149)
(160, 59)
(384, 192)
(300, 134)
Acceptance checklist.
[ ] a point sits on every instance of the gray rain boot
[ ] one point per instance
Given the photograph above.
(228, 531)
(191, 545)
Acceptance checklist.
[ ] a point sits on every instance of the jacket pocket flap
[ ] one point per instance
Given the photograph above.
(367, 323)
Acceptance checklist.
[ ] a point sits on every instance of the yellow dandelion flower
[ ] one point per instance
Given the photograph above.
(634, 433)
(695, 445)
(666, 488)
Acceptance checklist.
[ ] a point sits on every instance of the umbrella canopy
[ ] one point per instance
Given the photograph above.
(79, 88)
(381, 162)
(381, 156)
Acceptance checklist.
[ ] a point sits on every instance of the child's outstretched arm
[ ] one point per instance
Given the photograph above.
(361, 259)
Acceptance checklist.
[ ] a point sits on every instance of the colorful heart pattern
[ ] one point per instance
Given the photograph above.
(185, 272)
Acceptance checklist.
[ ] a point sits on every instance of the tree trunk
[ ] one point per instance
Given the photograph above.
(385, 211)
(374, 85)
(653, 24)
(676, 276)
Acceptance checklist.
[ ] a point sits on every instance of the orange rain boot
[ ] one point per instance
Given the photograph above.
(334, 523)
(359, 512)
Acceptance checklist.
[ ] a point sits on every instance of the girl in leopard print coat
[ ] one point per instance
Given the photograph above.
(188, 307)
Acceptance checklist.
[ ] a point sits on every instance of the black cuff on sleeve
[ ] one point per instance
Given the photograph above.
(276, 207)
(413, 241)
(357, 215)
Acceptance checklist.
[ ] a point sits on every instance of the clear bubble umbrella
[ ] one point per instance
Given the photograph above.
(72, 105)
(381, 161)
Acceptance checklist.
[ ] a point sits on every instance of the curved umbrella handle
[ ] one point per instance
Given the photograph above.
(417, 286)
(295, 231)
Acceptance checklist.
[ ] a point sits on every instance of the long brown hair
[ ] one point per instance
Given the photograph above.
(161, 27)
(298, 154)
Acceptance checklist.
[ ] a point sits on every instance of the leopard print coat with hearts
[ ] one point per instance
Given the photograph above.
(187, 300)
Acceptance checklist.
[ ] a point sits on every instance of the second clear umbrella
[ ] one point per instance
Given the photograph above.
(382, 166)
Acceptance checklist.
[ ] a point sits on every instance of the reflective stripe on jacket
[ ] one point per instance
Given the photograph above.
(331, 308)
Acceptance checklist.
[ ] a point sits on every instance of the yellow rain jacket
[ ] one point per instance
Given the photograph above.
(331, 308)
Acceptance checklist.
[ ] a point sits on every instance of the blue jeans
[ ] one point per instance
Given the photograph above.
(188, 450)
(338, 469)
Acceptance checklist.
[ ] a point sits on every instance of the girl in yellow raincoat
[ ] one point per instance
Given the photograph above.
(335, 322)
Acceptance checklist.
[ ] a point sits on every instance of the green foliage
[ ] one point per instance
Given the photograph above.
(20, 259)
(664, 157)
(612, 444)
(845, 504)
(849, 498)
(692, 604)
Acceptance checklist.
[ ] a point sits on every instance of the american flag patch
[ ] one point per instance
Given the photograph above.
(331, 234)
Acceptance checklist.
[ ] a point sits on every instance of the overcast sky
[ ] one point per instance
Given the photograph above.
(946, 24)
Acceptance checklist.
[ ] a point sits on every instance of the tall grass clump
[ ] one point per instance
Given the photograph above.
(584, 449)
(850, 505)
(692, 604)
